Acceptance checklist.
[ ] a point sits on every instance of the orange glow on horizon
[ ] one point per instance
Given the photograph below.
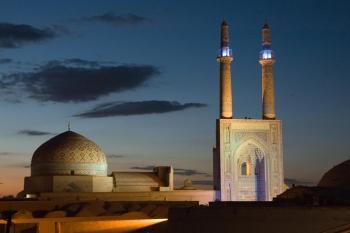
(110, 225)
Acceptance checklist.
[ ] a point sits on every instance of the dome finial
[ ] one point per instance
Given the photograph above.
(68, 125)
(266, 25)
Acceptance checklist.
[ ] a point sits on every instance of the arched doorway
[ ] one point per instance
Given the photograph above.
(251, 173)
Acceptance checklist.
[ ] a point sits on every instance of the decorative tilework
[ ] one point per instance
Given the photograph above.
(69, 148)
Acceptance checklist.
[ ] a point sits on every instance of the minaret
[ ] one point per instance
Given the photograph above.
(225, 58)
(239, 145)
(267, 59)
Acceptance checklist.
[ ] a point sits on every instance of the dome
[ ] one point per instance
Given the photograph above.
(69, 153)
(337, 177)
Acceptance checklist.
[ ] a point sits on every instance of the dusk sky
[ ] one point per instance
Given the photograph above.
(140, 79)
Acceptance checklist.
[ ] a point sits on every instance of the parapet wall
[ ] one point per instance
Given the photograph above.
(202, 196)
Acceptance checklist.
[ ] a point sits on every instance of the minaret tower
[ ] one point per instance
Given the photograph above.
(267, 59)
(225, 58)
(248, 154)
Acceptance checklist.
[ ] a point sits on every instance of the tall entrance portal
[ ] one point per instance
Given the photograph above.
(251, 177)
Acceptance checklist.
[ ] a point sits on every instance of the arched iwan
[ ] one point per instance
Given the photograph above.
(252, 183)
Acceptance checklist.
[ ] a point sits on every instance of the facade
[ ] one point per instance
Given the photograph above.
(248, 156)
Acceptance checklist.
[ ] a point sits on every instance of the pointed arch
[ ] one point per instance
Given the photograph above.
(251, 140)
(251, 152)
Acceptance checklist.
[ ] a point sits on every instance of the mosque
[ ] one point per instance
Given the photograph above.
(70, 191)
(248, 156)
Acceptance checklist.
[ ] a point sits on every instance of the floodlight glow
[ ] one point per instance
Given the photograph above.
(266, 54)
(225, 52)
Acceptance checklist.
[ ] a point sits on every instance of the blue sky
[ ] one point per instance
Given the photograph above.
(171, 47)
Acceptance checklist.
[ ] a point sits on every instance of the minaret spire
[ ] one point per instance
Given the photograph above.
(225, 58)
(267, 59)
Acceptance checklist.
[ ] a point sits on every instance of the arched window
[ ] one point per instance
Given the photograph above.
(244, 169)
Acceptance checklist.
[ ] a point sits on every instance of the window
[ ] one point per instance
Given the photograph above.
(244, 169)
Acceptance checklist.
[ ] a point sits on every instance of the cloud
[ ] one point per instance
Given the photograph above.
(177, 171)
(75, 80)
(136, 108)
(116, 20)
(7, 154)
(15, 35)
(5, 60)
(29, 132)
(81, 62)
(202, 182)
(114, 156)
(77, 62)
(18, 165)
(148, 168)
(188, 172)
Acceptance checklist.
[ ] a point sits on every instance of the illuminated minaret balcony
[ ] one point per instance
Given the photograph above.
(225, 52)
(267, 54)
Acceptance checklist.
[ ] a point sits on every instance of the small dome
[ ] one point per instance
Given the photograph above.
(266, 26)
(69, 153)
(337, 177)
